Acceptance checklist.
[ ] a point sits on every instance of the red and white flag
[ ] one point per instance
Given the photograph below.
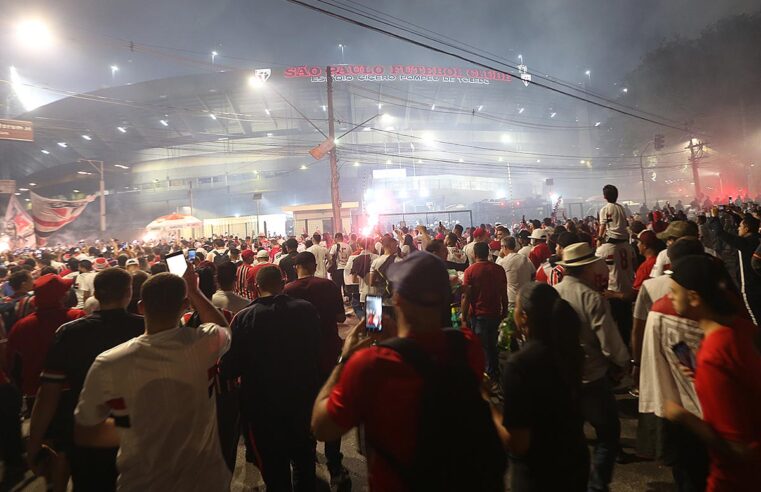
(19, 225)
(51, 214)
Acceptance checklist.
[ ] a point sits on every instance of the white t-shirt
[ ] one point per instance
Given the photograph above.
(470, 254)
(662, 263)
(229, 300)
(343, 254)
(160, 390)
(519, 270)
(364, 288)
(660, 378)
(374, 266)
(525, 251)
(85, 282)
(456, 255)
(650, 291)
(348, 277)
(620, 260)
(320, 254)
(613, 216)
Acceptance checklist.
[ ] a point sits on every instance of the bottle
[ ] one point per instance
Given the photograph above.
(455, 318)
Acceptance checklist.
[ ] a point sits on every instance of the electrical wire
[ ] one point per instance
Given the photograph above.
(476, 62)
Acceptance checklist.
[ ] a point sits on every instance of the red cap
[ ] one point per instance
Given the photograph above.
(247, 255)
(478, 232)
(494, 245)
(647, 238)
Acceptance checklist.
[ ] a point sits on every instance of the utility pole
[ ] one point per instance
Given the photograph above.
(642, 172)
(102, 191)
(696, 153)
(334, 194)
(190, 195)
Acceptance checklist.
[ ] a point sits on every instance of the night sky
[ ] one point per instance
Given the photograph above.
(560, 38)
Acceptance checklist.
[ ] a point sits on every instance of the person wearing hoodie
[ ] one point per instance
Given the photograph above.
(30, 338)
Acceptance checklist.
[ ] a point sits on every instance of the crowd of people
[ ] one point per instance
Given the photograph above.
(136, 378)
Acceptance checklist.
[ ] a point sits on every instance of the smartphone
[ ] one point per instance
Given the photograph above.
(191, 255)
(684, 354)
(176, 263)
(374, 314)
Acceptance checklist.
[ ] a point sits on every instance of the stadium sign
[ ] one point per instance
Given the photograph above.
(16, 130)
(400, 73)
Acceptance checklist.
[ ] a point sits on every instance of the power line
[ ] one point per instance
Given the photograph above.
(475, 62)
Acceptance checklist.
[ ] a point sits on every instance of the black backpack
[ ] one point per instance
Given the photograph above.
(361, 265)
(458, 447)
(221, 258)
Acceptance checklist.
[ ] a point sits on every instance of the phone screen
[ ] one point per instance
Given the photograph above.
(176, 263)
(374, 314)
(684, 354)
(191, 255)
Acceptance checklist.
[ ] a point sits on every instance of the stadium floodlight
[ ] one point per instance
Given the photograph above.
(34, 35)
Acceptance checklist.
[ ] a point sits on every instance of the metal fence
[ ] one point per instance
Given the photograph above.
(449, 218)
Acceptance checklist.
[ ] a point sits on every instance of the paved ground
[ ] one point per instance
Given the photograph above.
(636, 476)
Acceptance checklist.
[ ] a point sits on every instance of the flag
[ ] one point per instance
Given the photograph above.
(51, 214)
(19, 225)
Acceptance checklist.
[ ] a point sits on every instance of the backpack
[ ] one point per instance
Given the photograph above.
(334, 260)
(361, 266)
(8, 314)
(221, 258)
(458, 447)
(388, 290)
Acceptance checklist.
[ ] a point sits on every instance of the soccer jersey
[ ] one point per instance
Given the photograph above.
(613, 217)
(159, 388)
(620, 260)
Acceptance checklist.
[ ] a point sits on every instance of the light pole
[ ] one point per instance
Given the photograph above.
(102, 191)
(342, 52)
(213, 56)
(114, 69)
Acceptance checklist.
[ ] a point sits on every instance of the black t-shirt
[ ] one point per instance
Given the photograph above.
(273, 351)
(287, 266)
(537, 399)
(75, 348)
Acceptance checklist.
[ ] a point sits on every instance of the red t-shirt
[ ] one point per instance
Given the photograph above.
(643, 271)
(30, 340)
(379, 390)
(728, 384)
(326, 297)
(539, 254)
(488, 285)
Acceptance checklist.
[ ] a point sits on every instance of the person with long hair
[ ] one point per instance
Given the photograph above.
(542, 422)
(726, 374)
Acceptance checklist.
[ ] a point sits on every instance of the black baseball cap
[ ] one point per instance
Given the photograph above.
(305, 258)
(699, 273)
(421, 278)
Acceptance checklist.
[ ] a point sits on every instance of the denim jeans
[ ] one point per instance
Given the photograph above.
(353, 292)
(486, 328)
(598, 405)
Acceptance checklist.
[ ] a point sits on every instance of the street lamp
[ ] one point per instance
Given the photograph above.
(341, 46)
(213, 56)
(114, 69)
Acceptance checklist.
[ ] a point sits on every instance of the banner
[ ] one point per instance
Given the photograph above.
(52, 214)
(398, 73)
(18, 226)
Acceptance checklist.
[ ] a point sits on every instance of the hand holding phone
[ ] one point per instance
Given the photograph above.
(684, 355)
(176, 263)
(191, 255)
(374, 314)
